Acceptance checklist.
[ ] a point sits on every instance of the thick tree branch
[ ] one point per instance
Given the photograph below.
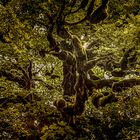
(125, 84)
(99, 84)
(11, 77)
(125, 59)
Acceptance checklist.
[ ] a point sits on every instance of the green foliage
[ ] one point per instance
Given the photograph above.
(124, 7)
(30, 114)
(118, 120)
(57, 131)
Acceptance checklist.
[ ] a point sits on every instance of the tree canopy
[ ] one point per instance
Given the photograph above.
(70, 69)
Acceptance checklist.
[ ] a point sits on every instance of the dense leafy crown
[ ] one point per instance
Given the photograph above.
(69, 69)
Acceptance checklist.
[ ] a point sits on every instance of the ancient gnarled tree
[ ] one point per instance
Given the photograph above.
(78, 78)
